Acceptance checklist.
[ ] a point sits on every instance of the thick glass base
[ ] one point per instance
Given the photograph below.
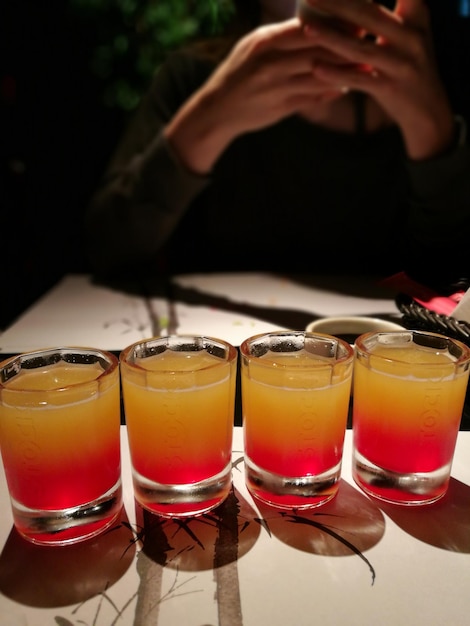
(183, 500)
(66, 526)
(291, 492)
(407, 489)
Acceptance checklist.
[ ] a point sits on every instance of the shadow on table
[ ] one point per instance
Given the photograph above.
(214, 541)
(348, 525)
(48, 577)
(444, 524)
(292, 317)
(206, 542)
(282, 317)
(217, 540)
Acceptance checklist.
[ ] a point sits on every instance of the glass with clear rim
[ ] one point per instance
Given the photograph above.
(295, 400)
(409, 393)
(60, 442)
(179, 401)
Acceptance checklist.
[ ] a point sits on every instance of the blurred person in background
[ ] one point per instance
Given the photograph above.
(328, 147)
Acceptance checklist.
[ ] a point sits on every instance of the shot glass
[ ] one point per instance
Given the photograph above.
(59, 440)
(409, 393)
(295, 400)
(179, 400)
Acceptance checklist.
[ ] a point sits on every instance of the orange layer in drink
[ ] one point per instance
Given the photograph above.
(406, 418)
(294, 414)
(60, 448)
(179, 414)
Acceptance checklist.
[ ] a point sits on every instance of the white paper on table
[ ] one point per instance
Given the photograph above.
(275, 292)
(76, 312)
(322, 296)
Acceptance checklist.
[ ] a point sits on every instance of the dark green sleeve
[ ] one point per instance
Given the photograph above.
(145, 190)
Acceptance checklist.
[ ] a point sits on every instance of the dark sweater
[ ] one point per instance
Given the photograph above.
(293, 197)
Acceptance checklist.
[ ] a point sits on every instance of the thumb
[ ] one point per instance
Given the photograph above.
(412, 12)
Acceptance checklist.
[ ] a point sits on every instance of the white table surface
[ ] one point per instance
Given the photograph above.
(352, 562)
(78, 312)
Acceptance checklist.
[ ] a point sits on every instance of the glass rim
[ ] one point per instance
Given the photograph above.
(14, 364)
(128, 355)
(464, 357)
(327, 338)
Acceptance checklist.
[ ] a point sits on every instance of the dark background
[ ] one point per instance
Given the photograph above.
(72, 72)
(57, 128)
(56, 136)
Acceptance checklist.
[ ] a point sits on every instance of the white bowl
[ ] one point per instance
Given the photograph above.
(351, 327)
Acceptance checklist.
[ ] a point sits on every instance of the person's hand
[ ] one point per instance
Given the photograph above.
(267, 77)
(396, 67)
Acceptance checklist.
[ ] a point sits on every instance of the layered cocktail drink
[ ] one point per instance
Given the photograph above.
(179, 396)
(59, 438)
(295, 395)
(409, 391)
